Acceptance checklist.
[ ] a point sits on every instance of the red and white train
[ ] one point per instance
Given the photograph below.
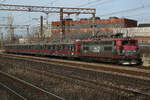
(117, 50)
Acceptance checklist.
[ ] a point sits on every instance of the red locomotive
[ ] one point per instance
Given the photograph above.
(118, 50)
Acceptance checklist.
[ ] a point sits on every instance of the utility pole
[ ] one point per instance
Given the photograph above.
(48, 27)
(1, 35)
(28, 36)
(47, 20)
(41, 27)
(94, 24)
(62, 33)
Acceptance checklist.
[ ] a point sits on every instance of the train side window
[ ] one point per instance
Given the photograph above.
(30, 46)
(107, 48)
(48, 47)
(66, 47)
(114, 42)
(57, 47)
(69, 47)
(63, 47)
(41, 47)
(72, 47)
(54, 47)
(85, 48)
(133, 42)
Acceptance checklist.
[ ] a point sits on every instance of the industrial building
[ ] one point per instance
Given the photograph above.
(140, 33)
(83, 28)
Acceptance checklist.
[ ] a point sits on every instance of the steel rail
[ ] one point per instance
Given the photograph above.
(51, 95)
(141, 74)
(90, 82)
(136, 92)
(13, 92)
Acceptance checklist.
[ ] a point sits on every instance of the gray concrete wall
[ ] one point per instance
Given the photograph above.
(133, 32)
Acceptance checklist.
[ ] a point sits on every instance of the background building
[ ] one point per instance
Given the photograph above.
(82, 29)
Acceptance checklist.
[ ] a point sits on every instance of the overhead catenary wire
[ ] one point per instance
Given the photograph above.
(88, 3)
(127, 10)
(138, 15)
(52, 2)
(101, 3)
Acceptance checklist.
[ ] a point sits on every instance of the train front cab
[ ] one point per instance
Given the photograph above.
(128, 50)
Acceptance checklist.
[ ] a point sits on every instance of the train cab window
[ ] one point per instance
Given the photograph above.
(125, 42)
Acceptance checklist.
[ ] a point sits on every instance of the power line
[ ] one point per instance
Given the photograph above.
(125, 11)
(101, 3)
(52, 2)
(137, 15)
(88, 3)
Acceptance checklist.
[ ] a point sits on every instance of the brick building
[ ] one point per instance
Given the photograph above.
(82, 29)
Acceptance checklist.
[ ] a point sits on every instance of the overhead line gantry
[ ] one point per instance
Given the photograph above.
(47, 10)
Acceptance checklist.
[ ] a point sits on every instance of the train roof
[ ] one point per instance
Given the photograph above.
(111, 39)
(37, 44)
(89, 40)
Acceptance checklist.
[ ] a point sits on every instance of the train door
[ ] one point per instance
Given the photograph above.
(77, 48)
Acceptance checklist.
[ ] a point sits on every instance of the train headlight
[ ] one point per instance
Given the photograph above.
(72, 53)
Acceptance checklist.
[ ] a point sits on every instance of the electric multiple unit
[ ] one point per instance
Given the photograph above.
(115, 50)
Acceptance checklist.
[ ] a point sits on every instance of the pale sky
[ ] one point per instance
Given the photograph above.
(104, 9)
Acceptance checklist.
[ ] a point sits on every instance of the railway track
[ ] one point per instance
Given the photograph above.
(91, 83)
(115, 69)
(121, 92)
(109, 76)
(15, 94)
(23, 90)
